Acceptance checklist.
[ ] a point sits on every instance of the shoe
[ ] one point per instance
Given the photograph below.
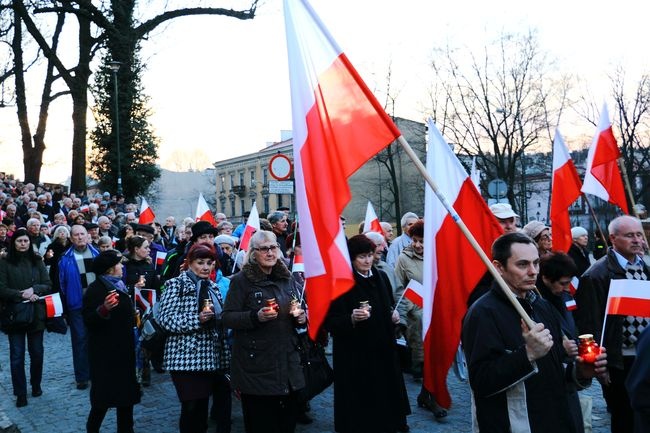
(426, 401)
(21, 401)
(146, 377)
(82, 385)
(303, 418)
(37, 392)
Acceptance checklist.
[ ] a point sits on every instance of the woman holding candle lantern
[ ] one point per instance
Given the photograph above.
(266, 366)
(195, 354)
(369, 391)
(109, 317)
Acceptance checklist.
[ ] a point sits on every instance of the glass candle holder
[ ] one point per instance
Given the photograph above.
(588, 349)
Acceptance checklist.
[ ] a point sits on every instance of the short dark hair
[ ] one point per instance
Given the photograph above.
(200, 251)
(360, 244)
(557, 265)
(501, 248)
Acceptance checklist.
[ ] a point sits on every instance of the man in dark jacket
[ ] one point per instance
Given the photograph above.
(623, 261)
(517, 373)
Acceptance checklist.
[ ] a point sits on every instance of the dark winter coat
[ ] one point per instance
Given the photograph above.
(369, 391)
(133, 268)
(638, 384)
(265, 356)
(510, 393)
(111, 348)
(591, 298)
(580, 257)
(15, 278)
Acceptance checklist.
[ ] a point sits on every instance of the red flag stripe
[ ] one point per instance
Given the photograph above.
(629, 306)
(413, 296)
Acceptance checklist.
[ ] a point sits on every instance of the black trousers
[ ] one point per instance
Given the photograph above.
(97, 414)
(221, 403)
(194, 416)
(269, 414)
(617, 399)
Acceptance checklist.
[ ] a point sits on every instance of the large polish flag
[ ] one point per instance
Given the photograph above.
(203, 212)
(146, 213)
(452, 268)
(338, 125)
(603, 177)
(371, 223)
(629, 298)
(565, 190)
(252, 225)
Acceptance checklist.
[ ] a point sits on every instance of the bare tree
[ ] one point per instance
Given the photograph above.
(95, 25)
(498, 105)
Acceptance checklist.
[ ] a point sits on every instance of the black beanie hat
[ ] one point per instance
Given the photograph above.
(106, 260)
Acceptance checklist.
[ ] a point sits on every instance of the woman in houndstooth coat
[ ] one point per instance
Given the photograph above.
(195, 352)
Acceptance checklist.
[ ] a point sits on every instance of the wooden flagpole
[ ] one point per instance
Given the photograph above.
(621, 166)
(593, 215)
(463, 228)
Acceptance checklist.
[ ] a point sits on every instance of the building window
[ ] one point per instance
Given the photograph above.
(266, 204)
(265, 176)
(279, 201)
(243, 206)
(232, 207)
(252, 178)
(222, 177)
(539, 204)
(232, 180)
(241, 178)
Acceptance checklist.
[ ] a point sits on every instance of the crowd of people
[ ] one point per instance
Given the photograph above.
(234, 321)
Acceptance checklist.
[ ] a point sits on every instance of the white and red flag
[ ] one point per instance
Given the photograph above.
(629, 298)
(371, 223)
(146, 213)
(338, 125)
(145, 298)
(603, 177)
(53, 305)
(452, 268)
(565, 190)
(252, 225)
(203, 212)
(298, 264)
(414, 292)
(160, 259)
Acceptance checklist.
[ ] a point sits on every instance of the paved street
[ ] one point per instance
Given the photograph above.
(63, 409)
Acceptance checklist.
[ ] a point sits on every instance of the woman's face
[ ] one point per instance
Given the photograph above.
(226, 230)
(545, 240)
(363, 262)
(142, 252)
(128, 231)
(202, 267)
(266, 254)
(62, 235)
(582, 241)
(417, 244)
(22, 243)
(115, 271)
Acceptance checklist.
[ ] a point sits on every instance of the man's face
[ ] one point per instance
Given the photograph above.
(388, 232)
(3, 232)
(169, 222)
(379, 250)
(76, 203)
(521, 269)
(34, 228)
(205, 239)
(509, 224)
(628, 241)
(11, 211)
(41, 201)
(94, 233)
(104, 224)
(79, 237)
(409, 223)
(281, 225)
(226, 248)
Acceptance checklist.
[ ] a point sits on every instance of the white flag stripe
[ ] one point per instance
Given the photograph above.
(638, 289)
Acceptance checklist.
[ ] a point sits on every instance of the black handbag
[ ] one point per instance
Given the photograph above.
(56, 325)
(318, 373)
(16, 316)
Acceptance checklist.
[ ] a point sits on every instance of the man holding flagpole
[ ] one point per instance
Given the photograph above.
(517, 374)
(623, 261)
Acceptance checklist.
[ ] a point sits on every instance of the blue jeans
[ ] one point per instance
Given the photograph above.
(79, 340)
(17, 360)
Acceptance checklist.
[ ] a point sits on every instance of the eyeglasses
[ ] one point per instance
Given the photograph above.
(265, 250)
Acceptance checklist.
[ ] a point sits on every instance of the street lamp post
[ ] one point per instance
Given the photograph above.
(115, 66)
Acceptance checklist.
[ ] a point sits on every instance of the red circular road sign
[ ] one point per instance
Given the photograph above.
(280, 167)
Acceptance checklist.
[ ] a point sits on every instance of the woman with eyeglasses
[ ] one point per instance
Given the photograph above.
(556, 270)
(24, 278)
(266, 366)
(369, 391)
